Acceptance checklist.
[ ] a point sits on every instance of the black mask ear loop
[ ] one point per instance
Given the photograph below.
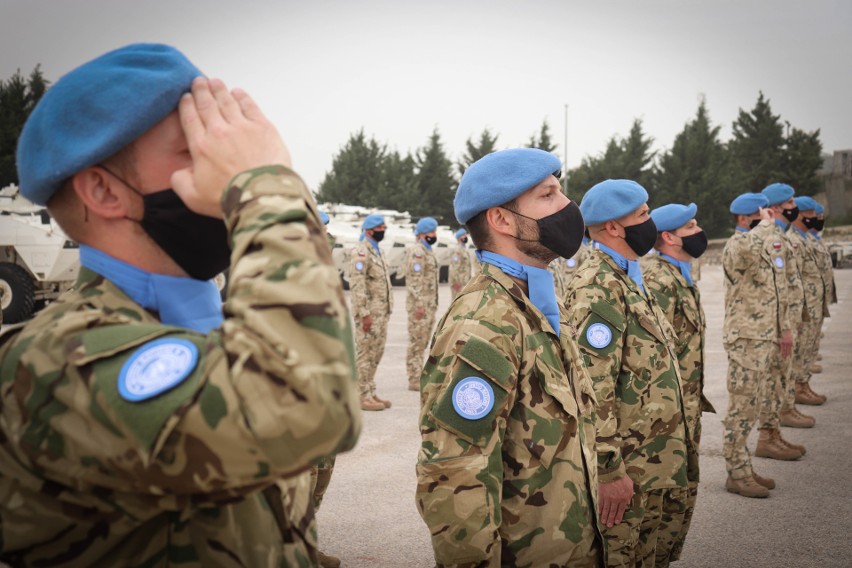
(131, 188)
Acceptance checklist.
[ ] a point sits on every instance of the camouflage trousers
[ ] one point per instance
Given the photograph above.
(754, 389)
(805, 352)
(371, 347)
(777, 390)
(643, 535)
(419, 333)
(678, 507)
(320, 479)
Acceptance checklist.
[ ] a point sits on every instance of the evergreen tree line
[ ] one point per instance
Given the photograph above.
(18, 97)
(699, 167)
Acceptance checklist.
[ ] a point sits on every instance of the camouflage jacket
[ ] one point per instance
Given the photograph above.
(515, 486)
(826, 268)
(369, 282)
(681, 304)
(813, 283)
(421, 278)
(555, 268)
(460, 264)
(795, 297)
(627, 347)
(755, 267)
(212, 471)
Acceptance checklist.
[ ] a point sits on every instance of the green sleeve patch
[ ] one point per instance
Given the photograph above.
(488, 359)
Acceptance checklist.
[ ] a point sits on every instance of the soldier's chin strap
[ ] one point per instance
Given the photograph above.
(539, 282)
(184, 302)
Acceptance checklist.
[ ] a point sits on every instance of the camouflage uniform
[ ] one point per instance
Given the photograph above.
(517, 486)
(755, 315)
(213, 472)
(681, 304)
(460, 264)
(781, 387)
(555, 268)
(640, 416)
(823, 258)
(421, 283)
(370, 295)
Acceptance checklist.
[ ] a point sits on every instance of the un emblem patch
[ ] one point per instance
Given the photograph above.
(156, 367)
(779, 262)
(473, 398)
(598, 335)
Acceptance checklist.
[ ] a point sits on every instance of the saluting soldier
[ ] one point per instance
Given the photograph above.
(669, 276)
(627, 345)
(141, 424)
(506, 470)
(460, 263)
(827, 269)
(372, 302)
(421, 298)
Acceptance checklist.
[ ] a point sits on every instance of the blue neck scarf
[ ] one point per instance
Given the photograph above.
(425, 244)
(183, 302)
(539, 282)
(631, 267)
(816, 235)
(781, 224)
(685, 267)
(743, 229)
(801, 232)
(374, 243)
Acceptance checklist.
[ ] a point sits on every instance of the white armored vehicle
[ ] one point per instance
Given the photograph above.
(37, 261)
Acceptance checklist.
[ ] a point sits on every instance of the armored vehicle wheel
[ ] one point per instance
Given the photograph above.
(18, 293)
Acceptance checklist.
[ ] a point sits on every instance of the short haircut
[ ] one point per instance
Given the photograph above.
(480, 232)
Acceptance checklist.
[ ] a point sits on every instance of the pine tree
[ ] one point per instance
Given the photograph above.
(398, 186)
(802, 161)
(757, 148)
(356, 173)
(18, 98)
(473, 152)
(543, 141)
(435, 182)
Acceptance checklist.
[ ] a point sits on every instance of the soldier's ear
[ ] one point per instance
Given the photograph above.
(500, 221)
(101, 193)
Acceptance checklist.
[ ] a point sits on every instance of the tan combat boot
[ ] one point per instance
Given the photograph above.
(747, 487)
(371, 404)
(819, 358)
(327, 561)
(792, 418)
(767, 482)
(816, 368)
(798, 447)
(804, 396)
(817, 396)
(383, 402)
(413, 385)
(770, 445)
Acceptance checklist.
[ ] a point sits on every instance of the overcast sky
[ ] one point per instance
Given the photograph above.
(323, 69)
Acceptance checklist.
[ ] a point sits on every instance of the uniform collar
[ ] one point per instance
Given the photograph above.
(685, 267)
(631, 267)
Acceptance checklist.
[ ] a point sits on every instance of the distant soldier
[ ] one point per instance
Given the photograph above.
(460, 263)
(815, 284)
(668, 275)
(827, 268)
(643, 447)
(372, 303)
(757, 336)
(325, 221)
(421, 298)
(506, 470)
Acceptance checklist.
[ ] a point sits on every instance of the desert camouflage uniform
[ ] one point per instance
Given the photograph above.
(640, 415)
(755, 315)
(421, 283)
(460, 266)
(816, 308)
(781, 388)
(826, 269)
(555, 268)
(370, 295)
(517, 486)
(214, 471)
(681, 304)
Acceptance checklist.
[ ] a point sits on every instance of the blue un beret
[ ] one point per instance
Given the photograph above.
(673, 216)
(500, 177)
(611, 199)
(324, 217)
(805, 203)
(96, 110)
(819, 210)
(373, 221)
(778, 193)
(748, 203)
(425, 225)
(461, 232)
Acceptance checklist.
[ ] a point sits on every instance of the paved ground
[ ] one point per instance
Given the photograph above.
(369, 518)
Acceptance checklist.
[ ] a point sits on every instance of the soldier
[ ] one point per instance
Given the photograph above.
(506, 470)
(141, 426)
(459, 264)
(372, 302)
(814, 283)
(626, 343)
(668, 275)
(826, 267)
(770, 443)
(757, 336)
(421, 298)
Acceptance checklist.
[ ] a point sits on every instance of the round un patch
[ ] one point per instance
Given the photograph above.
(156, 367)
(571, 262)
(473, 398)
(359, 266)
(779, 262)
(598, 335)
(416, 267)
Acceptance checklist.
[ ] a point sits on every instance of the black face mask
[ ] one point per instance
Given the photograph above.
(642, 237)
(810, 222)
(560, 232)
(754, 223)
(819, 225)
(378, 236)
(694, 245)
(431, 240)
(197, 243)
(463, 240)
(790, 214)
